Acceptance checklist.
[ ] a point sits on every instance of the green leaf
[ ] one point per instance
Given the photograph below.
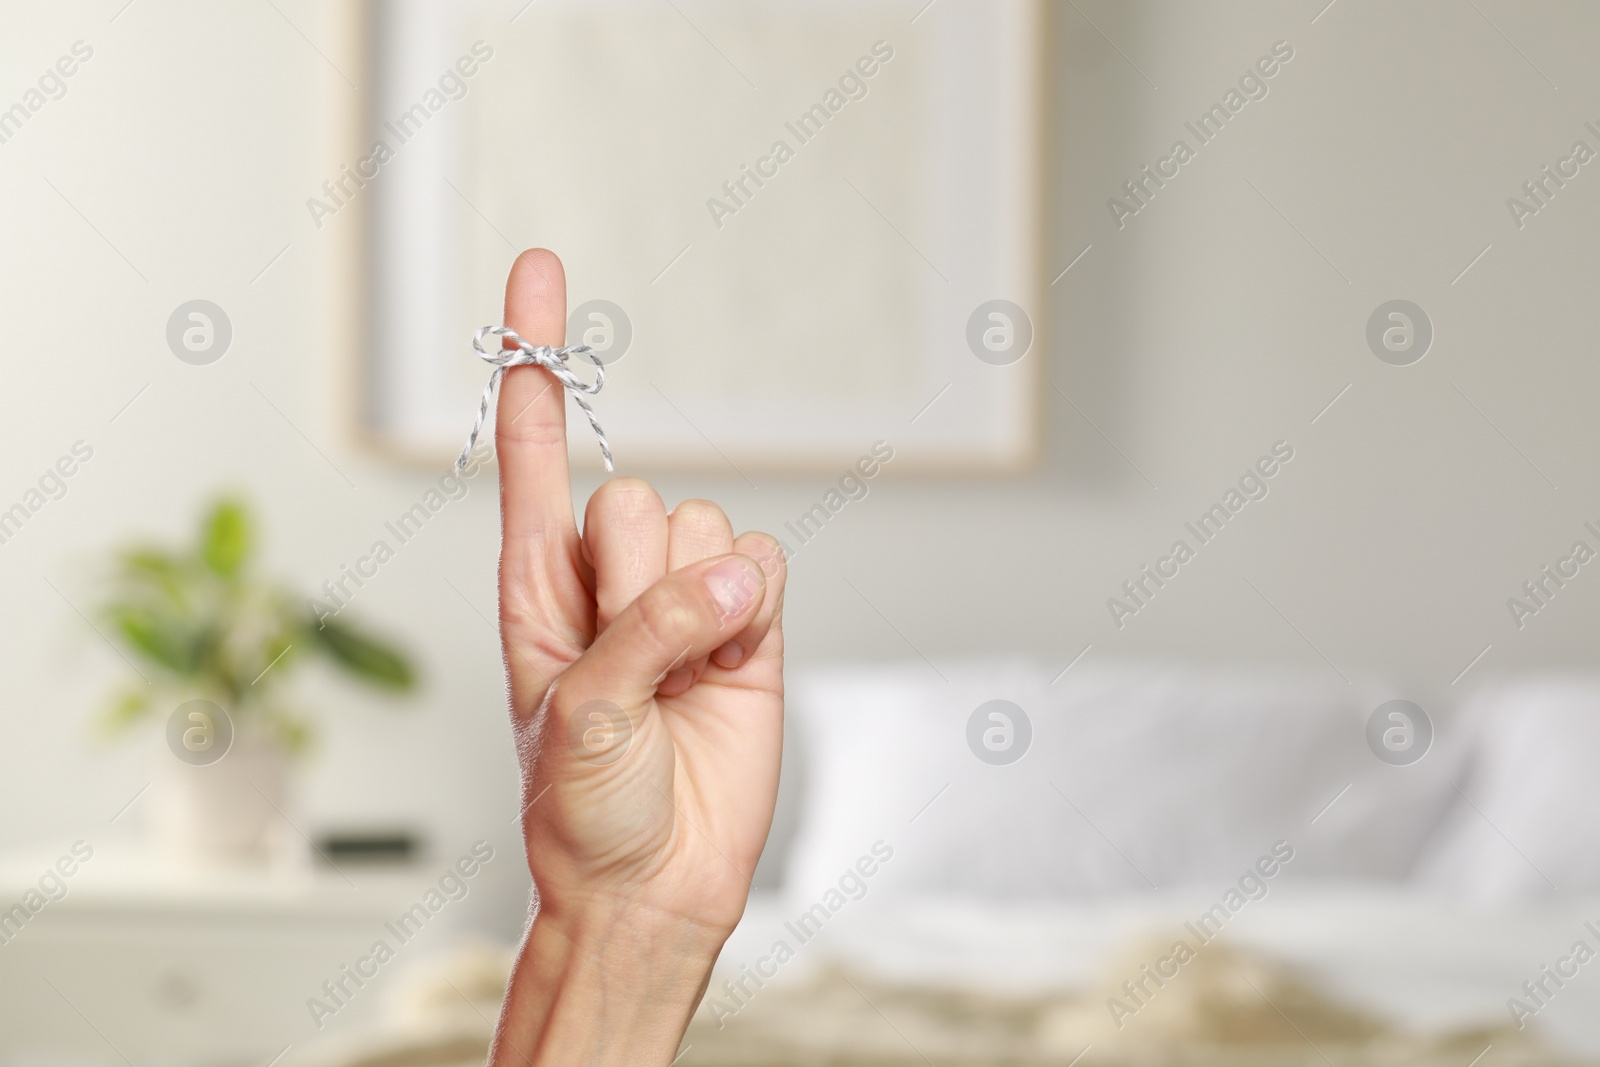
(156, 581)
(127, 708)
(151, 562)
(272, 660)
(164, 641)
(225, 542)
(292, 731)
(366, 657)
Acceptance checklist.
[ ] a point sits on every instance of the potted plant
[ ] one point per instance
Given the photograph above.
(214, 645)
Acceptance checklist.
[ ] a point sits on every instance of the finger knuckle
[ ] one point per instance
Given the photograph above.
(531, 431)
(627, 487)
(668, 615)
(623, 498)
(767, 553)
(700, 516)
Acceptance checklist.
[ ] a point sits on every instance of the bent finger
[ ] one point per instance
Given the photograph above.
(625, 533)
(752, 641)
(682, 617)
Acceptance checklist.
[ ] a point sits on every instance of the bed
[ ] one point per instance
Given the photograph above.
(1186, 866)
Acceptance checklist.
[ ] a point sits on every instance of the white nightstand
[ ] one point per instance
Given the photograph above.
(146, 966)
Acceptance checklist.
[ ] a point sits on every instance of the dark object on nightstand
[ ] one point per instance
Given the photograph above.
(376, 846)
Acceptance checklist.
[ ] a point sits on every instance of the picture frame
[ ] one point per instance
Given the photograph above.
(778, 273)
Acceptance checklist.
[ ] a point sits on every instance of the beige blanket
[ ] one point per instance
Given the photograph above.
(1224, 1008)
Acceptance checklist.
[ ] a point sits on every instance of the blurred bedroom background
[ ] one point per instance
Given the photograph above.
(1030, 296)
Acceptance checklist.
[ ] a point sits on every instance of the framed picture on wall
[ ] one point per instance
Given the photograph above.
(793, 228)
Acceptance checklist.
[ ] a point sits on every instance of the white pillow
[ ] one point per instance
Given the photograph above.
(1137, 775)
(1527, 819)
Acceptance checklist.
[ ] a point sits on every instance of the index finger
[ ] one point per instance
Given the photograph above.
(531, 421)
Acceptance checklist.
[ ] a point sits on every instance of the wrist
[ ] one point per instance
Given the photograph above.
(619, 932)
(604, 982)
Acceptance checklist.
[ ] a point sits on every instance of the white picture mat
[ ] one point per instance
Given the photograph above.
(824, 315)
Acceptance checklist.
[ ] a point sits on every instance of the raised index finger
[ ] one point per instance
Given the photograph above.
(531, 421)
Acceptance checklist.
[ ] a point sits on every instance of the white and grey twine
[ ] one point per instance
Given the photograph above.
(551, 359)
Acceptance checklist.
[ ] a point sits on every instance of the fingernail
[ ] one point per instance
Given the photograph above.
(734, 583)
(728, 656)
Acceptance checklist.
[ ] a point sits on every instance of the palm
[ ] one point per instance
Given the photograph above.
(723, 769)
(676, 819)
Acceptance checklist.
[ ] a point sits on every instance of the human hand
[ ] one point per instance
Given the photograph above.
(646, 668)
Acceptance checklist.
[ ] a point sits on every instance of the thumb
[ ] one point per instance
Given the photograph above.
(688, 614)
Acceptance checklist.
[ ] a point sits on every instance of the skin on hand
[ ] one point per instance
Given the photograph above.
(646, 670)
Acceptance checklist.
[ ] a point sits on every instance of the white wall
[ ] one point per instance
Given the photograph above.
(1208, 328)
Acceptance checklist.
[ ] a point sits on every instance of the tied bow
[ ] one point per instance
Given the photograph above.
(551, 359)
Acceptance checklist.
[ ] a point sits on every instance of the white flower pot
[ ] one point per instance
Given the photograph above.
(234, 813)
